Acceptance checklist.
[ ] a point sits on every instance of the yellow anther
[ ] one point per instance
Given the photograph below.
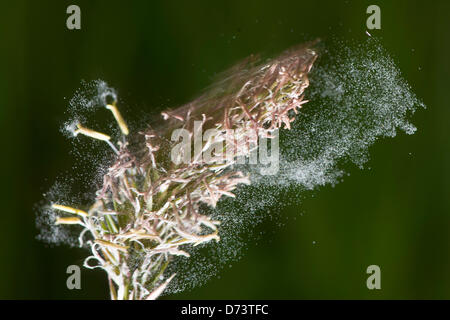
(119, 118)
(68, 220)
(70, 210)
(91, 133)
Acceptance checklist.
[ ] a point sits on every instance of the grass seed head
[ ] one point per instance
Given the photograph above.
(149, 208)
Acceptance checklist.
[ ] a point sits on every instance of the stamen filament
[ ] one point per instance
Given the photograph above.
(112, 147)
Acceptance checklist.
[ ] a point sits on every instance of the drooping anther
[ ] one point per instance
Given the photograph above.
(120, 121)
(68, 220)
(91, 133)
(70, 210)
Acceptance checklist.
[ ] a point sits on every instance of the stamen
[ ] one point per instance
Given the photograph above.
(91, 133)
(68, 220)
(70, 210)
(96, 135)
(118, 117)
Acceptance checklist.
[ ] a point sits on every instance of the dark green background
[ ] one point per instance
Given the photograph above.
(162, 54)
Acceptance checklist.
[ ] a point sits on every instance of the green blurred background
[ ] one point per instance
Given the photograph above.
(161, 54)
